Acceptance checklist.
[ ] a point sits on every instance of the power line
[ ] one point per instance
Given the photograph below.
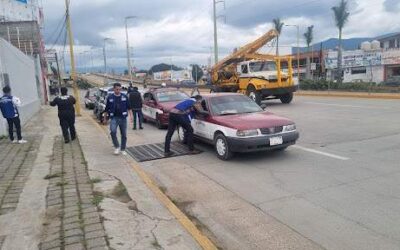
(59, 25)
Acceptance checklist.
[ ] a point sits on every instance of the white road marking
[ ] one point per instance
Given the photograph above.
(346, 106)
(322, 153)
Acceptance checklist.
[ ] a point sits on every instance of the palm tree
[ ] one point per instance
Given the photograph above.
(341, 18)
(278, 25)
(309, 36)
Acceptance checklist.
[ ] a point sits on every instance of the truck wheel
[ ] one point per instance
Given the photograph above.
(254, 94)
(286, 98)
(222, 148)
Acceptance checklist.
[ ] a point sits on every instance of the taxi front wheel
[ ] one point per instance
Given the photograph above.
(222, 147)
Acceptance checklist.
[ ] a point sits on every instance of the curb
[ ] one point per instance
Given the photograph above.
(351, 95)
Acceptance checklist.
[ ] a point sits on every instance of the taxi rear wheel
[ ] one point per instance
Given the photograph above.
(221, 147)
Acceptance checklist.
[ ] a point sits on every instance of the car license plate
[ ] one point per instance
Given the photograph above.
(273, 141)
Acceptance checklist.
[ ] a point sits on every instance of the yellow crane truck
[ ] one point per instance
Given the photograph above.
(259, 76)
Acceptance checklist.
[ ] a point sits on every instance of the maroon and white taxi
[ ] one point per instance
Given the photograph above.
(235, 123)
(158, 102)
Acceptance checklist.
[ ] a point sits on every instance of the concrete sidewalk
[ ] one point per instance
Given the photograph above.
(78, 195)
(137, 221)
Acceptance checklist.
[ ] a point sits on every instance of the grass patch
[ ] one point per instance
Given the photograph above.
(97, 198)
(95, 180)
(120, 193)
(156, 245)
(62, 183)
(51, 176)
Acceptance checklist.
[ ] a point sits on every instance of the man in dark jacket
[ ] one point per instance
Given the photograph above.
(9, 108)
(66, 114)
(118, 108)
(180, 115)
(130, 88)
(135, 100)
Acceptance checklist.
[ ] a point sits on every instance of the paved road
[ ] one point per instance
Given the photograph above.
(338, 188)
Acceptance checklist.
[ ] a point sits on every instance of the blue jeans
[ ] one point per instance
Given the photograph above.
(114, 124)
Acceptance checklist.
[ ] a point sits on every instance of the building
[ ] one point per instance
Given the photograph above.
(373, 60)
(177, 76)
(390, 41)
(20, 25)
(366, 65)
(317, 64)
(20, 10)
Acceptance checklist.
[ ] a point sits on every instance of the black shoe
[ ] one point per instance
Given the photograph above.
(73, 138)
(141, 128)
(168, 154)
(66, 141)
(134, 128)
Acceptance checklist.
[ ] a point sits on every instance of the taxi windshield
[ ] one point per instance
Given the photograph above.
(171, 96)
(262, 66)
(233, 104)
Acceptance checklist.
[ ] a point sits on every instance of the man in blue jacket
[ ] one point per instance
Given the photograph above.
(118, 109)
(179, 116)
(9, 108)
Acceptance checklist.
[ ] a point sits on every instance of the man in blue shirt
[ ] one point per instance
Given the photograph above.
(9, 108)
(179, 116)
(118, 108)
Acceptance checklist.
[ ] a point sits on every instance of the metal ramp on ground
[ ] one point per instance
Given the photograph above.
(151, 152)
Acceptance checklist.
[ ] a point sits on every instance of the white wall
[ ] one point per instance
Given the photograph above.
(377, 75)
(22, 75)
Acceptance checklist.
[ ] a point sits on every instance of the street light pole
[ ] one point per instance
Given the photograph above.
(128, 52)
(215, 2)
(105, 59)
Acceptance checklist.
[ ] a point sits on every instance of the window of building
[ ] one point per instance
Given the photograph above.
(360, 70)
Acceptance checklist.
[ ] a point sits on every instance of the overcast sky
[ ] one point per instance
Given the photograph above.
(181, 31)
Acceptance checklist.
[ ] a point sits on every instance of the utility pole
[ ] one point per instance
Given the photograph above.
(58, 72)
(71, 50)
(105, 59)
(128, 52)
(215, 2)
(171, 70)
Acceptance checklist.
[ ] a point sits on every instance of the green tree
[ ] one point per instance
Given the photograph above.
(309, 36)
(341, 18)
(278, 25)
(197, 72)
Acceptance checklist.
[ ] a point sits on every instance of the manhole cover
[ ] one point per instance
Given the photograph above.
(150, 152)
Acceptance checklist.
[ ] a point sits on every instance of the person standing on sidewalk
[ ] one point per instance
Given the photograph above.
(130, 88)
(117, 108)
(179, 116)
(66, 114)
(136, 102)
(9, 108)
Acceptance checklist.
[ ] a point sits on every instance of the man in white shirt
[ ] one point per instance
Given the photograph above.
(9, 108)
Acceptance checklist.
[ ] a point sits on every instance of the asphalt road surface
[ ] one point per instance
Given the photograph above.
(338, 188)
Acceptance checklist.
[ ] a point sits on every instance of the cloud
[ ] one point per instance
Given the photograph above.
(183, 30)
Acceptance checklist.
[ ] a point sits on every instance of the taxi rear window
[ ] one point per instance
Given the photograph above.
(171, 96)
